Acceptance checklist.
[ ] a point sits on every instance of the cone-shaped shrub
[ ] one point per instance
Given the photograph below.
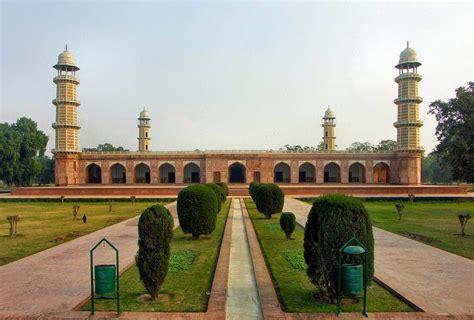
(155, 230)
(225, 187)
(197, 210)
(269, 198)
(218, 192)
(288, 223)
(332, 221)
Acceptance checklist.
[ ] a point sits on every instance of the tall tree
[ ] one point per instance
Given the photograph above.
(21, 145)
(386, 145)
(46, 175)
(361, 146)
(297, 147)
(455, 132)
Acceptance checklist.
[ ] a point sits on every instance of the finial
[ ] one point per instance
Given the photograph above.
(66, 46)
(408, 44)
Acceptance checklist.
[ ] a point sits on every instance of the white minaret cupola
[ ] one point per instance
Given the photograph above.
(329, 130)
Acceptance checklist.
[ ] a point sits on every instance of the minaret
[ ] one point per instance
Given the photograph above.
(66, 103)
(329, 128)
(408, 121)
(144, 131)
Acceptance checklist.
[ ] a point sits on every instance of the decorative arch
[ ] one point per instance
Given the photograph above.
(94, 173)
(237, 173)
(357, 173)
(332, 172)
(142, 173)
(167, 173)
(381, 173)
(192, 173)
(118, 173)
(307, 172)
(282, 173)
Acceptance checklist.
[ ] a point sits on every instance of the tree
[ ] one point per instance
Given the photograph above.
(288, 223)
(386, 145)
(219, 192)
(197, 210)
(46, 175)
(269, 198)
(21, 146)
(333, 220)
(155, 230)
(433, 170)
(455, 132)
(298, 148)
(104, 147)
(361, 146)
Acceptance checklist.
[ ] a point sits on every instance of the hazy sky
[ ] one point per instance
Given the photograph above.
(231, 75)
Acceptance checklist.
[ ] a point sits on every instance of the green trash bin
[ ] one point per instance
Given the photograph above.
(105, 279)
(352, 279)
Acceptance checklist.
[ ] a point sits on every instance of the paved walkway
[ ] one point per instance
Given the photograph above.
(435, 280)
(58, 279)
(242, 295)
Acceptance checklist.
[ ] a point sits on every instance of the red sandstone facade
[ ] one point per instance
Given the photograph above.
(146, 168)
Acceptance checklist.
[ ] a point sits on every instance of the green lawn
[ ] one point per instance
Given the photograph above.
(433, 223)
(46, 224)
(288, 269)
(190, 275)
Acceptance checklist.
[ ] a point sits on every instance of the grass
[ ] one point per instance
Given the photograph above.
(434, 223)
(190, 275)
(286, 264)
(45, 225)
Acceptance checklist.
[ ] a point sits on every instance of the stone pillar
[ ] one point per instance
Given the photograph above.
(106, 178)
(344, 171)
(154, 172)
(295, 171)
(369, 171)
(179, 171)
(130, 172)
(319, 171)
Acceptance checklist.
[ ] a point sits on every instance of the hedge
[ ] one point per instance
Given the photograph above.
(288, 223)
(269, 198)
(218, 191)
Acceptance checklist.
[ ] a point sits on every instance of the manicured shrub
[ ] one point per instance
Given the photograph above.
(252, 187)
(269, 198)
(197, 210)
(288, 223)
(225, 187)
(334, 220)
(155, 230)
(218, 192)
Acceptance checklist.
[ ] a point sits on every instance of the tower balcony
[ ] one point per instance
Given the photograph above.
(60, 101)
(66, 78)
(413, 99)
(408, 76)
(63, 124)
(64, 150)
(408, 123)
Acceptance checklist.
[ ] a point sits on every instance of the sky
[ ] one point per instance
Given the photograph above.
(231, 75)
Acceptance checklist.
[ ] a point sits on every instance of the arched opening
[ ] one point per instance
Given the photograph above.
(282, 172)
(307, 173)
(332, 173)
(94, 173)
(236, 173)
(357, 173)
(142, 173)
(118, 173)
(191, 173)
(381, 173)
(167, 173)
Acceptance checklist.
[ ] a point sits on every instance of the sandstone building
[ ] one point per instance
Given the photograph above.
(329, 166)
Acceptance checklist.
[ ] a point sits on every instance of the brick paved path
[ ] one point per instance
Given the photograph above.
(58, 279)
(435, 280)
(242, 297)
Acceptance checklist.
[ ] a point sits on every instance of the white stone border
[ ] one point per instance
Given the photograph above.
(301, 162)
(277, 162)
(362, 162)
(198, 163)
(231, 162)
(326, 162)
(387, 162)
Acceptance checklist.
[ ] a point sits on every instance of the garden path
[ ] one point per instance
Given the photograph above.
(433, 279)
(58, 279)
(243, 301)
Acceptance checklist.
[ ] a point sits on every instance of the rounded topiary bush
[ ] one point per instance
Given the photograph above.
(225, 187)
(269, 198)
(332, 221)
(218, 192)
(155, 230)
(288, 223)
(197, 210)
(252, 187)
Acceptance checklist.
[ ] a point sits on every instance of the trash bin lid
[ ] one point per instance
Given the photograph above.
(353, 250)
